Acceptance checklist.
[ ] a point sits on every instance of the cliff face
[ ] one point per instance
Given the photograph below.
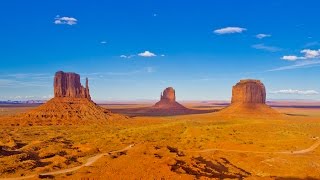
(169, 95)
(69, 85)
(249, 91)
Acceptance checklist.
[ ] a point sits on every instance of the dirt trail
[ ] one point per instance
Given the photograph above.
(303, 151)
(89, 162)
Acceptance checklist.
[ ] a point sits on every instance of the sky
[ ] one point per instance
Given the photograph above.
(132, 50)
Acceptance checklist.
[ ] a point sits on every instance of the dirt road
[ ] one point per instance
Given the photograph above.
(89, 162)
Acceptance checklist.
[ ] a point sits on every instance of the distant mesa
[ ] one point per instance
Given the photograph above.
(249, 99)
(168, 101)
(71, 104)
(168, 105)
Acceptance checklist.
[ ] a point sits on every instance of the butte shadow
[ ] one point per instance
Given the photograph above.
(71, 104)
(249, 100)
(167, 106)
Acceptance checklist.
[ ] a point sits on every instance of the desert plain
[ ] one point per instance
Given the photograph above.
(192, 146)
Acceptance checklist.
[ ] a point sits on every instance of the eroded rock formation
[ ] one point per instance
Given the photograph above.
(249, 100)
(69, 85)
(168, 95)
(249, 91)
(168, 105)
(71, 104)
(168, 100)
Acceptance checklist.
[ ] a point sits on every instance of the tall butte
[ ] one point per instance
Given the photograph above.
(167, 104)
(69, 85)
(249, 100)
(71, 104)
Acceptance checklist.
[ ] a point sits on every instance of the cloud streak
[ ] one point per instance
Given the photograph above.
(297, 65)
(229, 30)
(297, 92)
(266, 48)
(261, 36)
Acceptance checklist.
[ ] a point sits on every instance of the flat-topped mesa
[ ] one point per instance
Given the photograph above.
(249, 100)
(168, 94)
(69, 85)
(249, 91)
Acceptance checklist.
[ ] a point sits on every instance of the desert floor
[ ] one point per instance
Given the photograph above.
(170, 147)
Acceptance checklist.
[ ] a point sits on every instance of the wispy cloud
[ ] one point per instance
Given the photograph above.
(19, 80)
(310, 44)
(127, 56)
(293, 91)
(65, 20)
(127, 73)
(261, 36)
(229, 30)
(298, 65)
(266, 48)
(103, 42)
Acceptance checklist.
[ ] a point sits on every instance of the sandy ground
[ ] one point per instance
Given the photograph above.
(173, 147)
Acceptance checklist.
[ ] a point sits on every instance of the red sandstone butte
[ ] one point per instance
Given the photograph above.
(71, 104)
(249, 91)
(168, 105)
(249, 100)
(69, 85)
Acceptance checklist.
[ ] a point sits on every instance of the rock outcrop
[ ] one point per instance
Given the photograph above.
(249, 91)
(168, 100)
(168, 105)
(69, 85)
(71, 104)
(249, 100)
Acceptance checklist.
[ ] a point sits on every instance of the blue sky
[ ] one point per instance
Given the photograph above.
(132, 50)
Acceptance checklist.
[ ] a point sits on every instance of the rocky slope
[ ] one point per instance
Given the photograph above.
(71, 104)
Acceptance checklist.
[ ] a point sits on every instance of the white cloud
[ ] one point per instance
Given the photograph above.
(261, 36)
(266, 48)
(308, 54)
(65, 20)
(229, 30)
(291, 58)
(103, 42)
(298, 92)
(147, 54)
